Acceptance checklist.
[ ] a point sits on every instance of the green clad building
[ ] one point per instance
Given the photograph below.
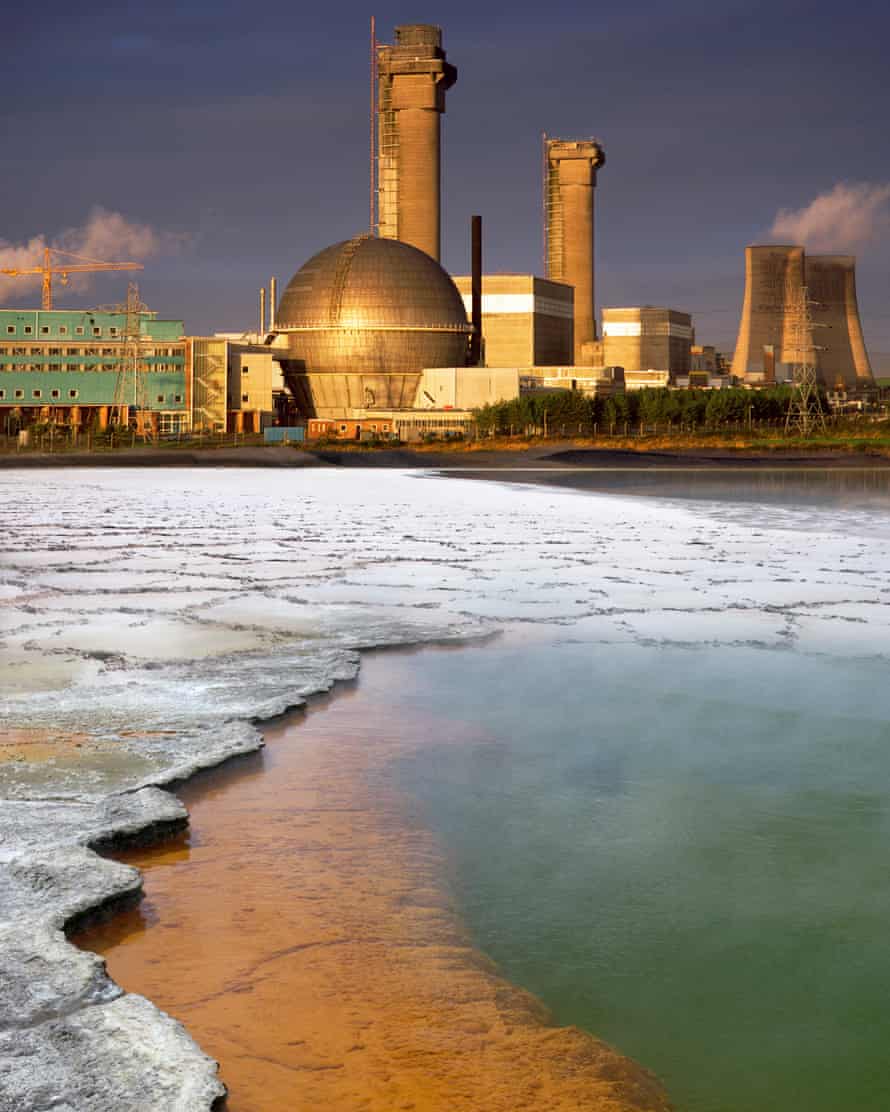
(70, 367)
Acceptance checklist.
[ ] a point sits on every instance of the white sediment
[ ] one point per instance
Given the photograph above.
(159, 613)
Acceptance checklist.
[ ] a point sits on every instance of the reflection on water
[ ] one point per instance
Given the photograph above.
(794, 486)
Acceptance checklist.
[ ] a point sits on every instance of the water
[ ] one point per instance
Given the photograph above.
(683, 851)
(670, 821)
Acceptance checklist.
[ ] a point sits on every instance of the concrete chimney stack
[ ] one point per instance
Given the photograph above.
(412, 79)
(273, 297)
(262, 310)
(570, 180)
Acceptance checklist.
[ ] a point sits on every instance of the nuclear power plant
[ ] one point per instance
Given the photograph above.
(373, 332)
(777, 281)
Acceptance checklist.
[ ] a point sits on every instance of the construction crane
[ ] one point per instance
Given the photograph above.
(49, 268)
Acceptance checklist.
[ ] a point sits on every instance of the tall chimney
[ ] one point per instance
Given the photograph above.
(413, 76)
(570, 179)
(262, 310)
(476, 293)
(273, 302)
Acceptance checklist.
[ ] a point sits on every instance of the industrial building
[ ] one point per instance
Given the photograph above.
(237, 384)
(526, 321)
(776, 277)
(647, 341)
(76, 368)
(361, 320)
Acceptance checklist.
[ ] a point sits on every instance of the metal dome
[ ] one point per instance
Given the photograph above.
(362, 319)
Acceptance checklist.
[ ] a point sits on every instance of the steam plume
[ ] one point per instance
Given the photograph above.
(106, 236)
(848, 216)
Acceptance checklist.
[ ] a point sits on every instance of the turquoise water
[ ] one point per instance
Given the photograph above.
(683, 849)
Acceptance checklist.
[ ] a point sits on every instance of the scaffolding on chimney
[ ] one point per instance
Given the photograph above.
(387, 164)
(554, 260)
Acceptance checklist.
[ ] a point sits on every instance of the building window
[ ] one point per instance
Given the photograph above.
(112, 331)
(78, 331)
(72, 393)
(28, 330)
(44, 330)
(36, 393)
(160, 397)
(54, 367)
(72, 351)
(244, 370)
(245, 397)
(177, 397)
(54, 393)
(55, 351)
(37, 351)
(10, 328)
(2, 394)
(20, 393)
(97, 331)
(63, 329)
(342, 428)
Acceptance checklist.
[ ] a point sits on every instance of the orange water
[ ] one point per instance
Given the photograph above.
(305, 934)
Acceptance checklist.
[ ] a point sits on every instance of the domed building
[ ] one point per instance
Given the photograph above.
(362, 319)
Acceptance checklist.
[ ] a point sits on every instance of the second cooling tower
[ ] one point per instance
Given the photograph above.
(774, 279)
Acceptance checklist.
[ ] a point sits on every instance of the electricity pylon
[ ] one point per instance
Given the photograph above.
(804, 408)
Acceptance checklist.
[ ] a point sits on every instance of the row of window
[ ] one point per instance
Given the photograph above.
(56, 394)
(62, 330)
(165, 368)
(144, 353)
(38, 394)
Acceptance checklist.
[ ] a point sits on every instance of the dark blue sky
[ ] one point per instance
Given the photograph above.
(244, 128)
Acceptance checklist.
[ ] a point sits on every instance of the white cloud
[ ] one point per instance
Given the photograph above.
(105, 236)
(848, 217)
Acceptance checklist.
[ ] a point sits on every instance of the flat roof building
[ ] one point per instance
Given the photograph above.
(526, 320)
(64, 367)
(647, 338)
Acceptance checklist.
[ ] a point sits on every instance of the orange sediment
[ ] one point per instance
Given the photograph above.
(307, 939)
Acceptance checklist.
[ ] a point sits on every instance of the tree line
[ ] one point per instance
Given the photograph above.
(569, 412)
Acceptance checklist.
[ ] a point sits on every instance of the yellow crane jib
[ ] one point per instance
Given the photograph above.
(49, 268)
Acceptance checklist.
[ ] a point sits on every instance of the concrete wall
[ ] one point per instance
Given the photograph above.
(466, 387)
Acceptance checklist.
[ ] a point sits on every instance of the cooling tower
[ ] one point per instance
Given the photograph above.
(772, 275)
(412, 79)
(570, 179)
(841, 358)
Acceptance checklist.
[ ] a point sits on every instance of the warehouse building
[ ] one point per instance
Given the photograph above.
(68, 367)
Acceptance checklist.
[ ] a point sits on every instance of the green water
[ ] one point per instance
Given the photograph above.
(685, 851)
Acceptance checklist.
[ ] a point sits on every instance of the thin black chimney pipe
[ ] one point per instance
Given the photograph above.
(476, 304)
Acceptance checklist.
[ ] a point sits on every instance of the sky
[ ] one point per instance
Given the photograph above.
(228, 142)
